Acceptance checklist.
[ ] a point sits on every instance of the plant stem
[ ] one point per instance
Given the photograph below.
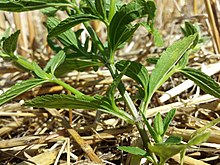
(133, 111)
(68, 87)
(121, 88)
(123, 92)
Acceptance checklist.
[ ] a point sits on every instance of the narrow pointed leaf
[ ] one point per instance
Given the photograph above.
(55, 62)
(152, 60)
(202, 129)
(23, 63)
(10, 6)
(79, 102)
(90, 7)
(20, 88)
(68, 38)
(124, 16)
(27, 5)
(166, 150)
(86, 44)
(158, 40)
(199, 138)
(158, 124)
(151, 130)
(133, 150)
(167, 120)
(10, 43)
(184, 60)
(189, 29)
(126, 35)
(136, 151)
(136, 71)
(70, 22)
(39, 72)
(206, 83)
(64, 101)
(101, 7)
(173, 139)
(71, 64)
(5, 34)
(49, 11)
(167, 61)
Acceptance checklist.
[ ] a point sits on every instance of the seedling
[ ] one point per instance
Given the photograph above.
(119, 20)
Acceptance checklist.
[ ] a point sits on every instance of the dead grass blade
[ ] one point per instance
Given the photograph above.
(42, 159)
(11, 126)
(85, 146)
(189, 160)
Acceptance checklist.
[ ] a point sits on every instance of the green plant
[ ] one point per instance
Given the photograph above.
(74, 55)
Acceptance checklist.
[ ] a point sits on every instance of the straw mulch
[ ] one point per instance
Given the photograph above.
(43, 136)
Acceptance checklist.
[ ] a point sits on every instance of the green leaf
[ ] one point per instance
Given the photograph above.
(126, 35)
(89, 7)
(158, 124)
(206, 83)
(120, 27)
(167, 120)
(68, 38)
(184, 60)
(49, 11)
(20, 88)
(151, 130)
(202, 129)
(64, 101)
(101, 7)
(10, 43)
(70, 22)
(27, 5)
(173, 140)
(135, 71)
(79, 102)
(166, 150)
(108, 107)
(86, 44)
(5, 35)
(10, 6)
(39, 72)
(55, 62)
(167, 61)
(6, 57)
(133, 150)
(136, 151)
(152, 60)
(158, 40)
(199, 138)
(23, 63)
(189, 29)
(71, 64)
